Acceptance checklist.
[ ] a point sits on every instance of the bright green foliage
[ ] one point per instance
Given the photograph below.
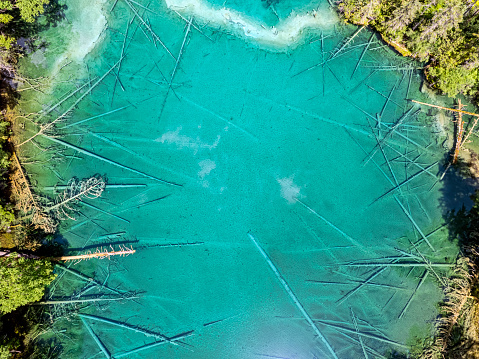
(6, 41)
(6, 5)
(5, 18)
(5, 352)
(23, 281)
(4, 161)
(361, 12)
(30, 9)
(453, 80)
(442, 32)
(6, 218)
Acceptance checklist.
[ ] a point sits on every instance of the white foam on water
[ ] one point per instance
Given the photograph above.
(182, 141)
(287, 33)
(206, 167)
(289, 191)
(87, 24)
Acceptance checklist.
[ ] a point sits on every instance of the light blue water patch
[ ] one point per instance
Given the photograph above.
(269, 12)
(282, 203)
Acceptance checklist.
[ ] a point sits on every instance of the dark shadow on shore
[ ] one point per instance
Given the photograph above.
(457, 188)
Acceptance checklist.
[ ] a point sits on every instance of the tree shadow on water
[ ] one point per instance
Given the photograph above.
(458, 198)
(53, 14)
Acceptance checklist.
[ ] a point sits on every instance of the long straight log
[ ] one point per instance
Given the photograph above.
(194, 26)
(361, 82)
(43, 128)
(153, 345)
(414, 223)
(352, 240)
(375, 163)
(410, 161)
(429, 267)
(338, 51)
(469, 132)
(148, 27)
(97, 340)
(356, 328)
(363, 53)
(405, 182)
(403, 264)
(384, 153)
(173, 73)
(108, 186)
(460, 131)
(99, 254)
(87, 279)
(70, 301)
(375, 353)
(423, 278)
(391, 131)
(386, 97)
(104, 212)
(388, 127)
(127, 326)
(95, 117)
(387, 100)
(367, 335)
(88, 83)
(447, 108)
(104, 159)
(354, 290)
(293, 296)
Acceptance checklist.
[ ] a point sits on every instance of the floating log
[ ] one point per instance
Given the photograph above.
(446, 108)
(460, 131)
(98, 254)
(89, 300)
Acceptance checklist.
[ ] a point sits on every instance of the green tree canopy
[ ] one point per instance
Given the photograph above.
(28, 12)
(23, 281)
(443, 33)
(30, 9)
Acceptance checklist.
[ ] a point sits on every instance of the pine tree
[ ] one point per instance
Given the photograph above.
(23, 280)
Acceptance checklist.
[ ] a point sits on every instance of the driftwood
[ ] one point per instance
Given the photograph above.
(99, 253)
(27, 201)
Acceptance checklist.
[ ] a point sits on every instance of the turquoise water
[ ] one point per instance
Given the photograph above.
(255, 185)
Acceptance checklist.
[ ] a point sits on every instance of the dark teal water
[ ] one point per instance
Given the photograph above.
(260, 184)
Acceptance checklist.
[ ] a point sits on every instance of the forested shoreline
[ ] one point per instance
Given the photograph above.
(25, 277)
(442, 33)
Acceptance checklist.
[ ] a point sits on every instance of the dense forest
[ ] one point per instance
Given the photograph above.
(442, 33)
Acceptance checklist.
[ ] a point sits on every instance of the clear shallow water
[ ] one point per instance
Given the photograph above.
(266, 11)
(258, 148)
